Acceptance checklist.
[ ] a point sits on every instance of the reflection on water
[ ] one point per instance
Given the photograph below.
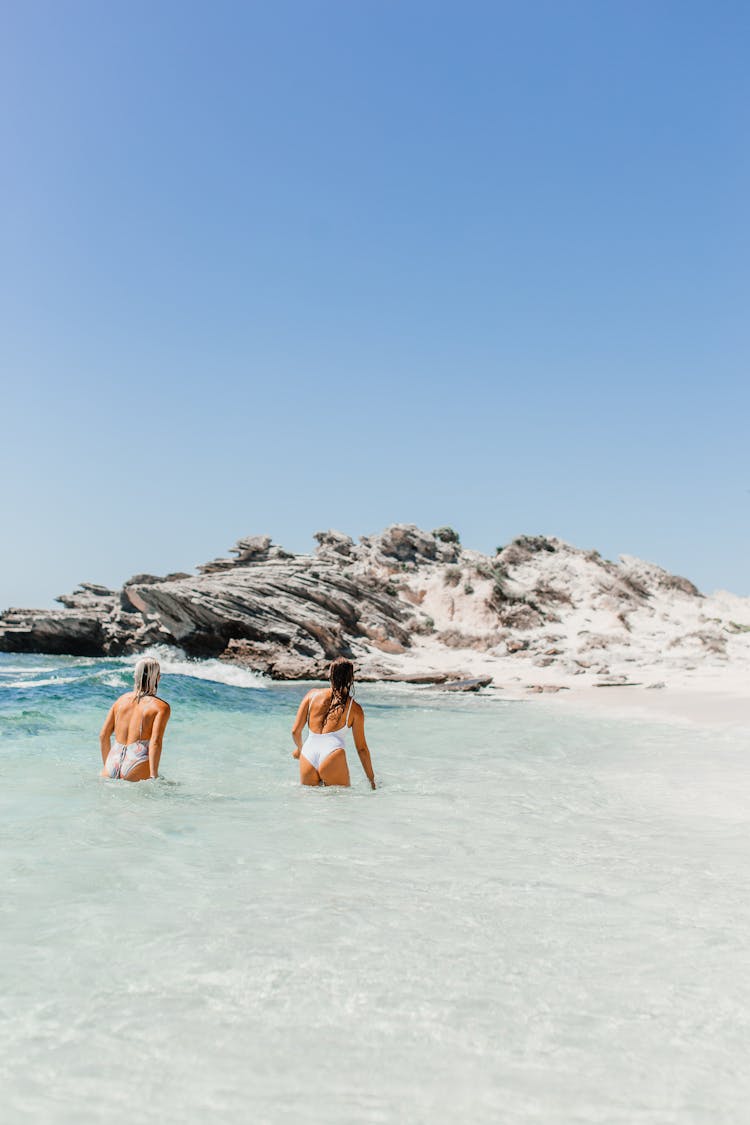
(534, 918)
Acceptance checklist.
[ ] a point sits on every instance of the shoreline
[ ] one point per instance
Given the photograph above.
(692, 705)
(705, 697)
(665, 691)
(673, 706)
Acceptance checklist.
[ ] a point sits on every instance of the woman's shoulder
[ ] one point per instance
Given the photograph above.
(150, 702)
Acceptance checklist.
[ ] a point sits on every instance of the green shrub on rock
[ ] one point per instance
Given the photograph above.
(446, 535)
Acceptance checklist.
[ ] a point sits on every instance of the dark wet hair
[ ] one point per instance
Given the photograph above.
(341, 676)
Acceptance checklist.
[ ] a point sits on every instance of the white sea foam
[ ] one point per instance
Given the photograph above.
(215, 670)
(111, 680)
(174, 662)
(40, 683)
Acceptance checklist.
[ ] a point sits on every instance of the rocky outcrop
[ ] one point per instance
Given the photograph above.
(278, 614)
(251, 549)
(405, 603)
(74, 632)
(405, 543)
(284, 615)
(334, 544)
(92, 624)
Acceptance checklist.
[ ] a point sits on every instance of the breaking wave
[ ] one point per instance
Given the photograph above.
(176, 663)
(116, 671)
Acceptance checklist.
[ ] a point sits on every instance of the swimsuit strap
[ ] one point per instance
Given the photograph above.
(140, 732)
(348, 713)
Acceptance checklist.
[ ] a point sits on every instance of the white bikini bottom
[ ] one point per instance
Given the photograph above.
(318, 747)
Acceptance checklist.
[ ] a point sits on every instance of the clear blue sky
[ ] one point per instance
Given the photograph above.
(274, 267)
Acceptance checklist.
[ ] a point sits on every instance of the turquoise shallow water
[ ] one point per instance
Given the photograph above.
(537, 917)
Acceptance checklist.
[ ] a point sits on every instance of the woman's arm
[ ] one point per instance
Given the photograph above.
(155, 741)
(105, 734)
(299, 724)
(358, 730)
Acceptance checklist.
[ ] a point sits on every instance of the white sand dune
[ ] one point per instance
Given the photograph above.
(627, 636)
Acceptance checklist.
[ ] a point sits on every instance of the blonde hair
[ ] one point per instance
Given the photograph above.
(146, 680)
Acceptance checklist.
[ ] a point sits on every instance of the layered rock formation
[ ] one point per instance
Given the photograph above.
(405, 604)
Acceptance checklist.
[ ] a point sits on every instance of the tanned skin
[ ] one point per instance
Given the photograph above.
(124, 721)
(334, 770)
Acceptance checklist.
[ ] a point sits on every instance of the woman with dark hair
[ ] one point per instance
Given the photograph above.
(137, 720)
(328, 714)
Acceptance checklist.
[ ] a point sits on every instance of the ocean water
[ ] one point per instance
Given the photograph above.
(537, 917)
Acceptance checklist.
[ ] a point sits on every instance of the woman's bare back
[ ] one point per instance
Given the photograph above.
(134, 720)
(320, 701)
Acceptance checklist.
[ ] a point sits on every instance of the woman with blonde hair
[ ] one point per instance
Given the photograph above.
(137, 720)
(328, 714)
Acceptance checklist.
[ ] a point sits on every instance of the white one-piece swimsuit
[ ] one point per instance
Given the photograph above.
(318, 747)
